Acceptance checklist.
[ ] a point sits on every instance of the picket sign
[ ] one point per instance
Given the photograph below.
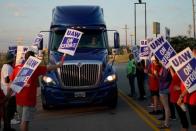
(70, 41)
(135, 52)
(38, 39)
(144, 52)
(25, 73)
(12, 49)
(185, 65)
(162, 49)
(21, 50)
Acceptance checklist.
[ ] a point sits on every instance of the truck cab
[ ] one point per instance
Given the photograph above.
(87, 77)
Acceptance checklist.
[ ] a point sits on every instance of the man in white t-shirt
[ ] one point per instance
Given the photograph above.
(10, 104)
(6, 71)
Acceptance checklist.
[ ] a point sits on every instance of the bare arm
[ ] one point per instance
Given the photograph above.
(171, 71)
(180, 99)
(54, 67)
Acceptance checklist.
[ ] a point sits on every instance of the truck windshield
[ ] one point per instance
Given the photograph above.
(90, 39)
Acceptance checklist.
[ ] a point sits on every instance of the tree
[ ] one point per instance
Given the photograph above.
(181, 42)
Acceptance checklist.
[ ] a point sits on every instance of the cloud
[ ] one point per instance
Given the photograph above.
(17, 13)
(14, 9)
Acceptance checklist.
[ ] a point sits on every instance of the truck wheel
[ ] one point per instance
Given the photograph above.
(44, 103)
(112, 103)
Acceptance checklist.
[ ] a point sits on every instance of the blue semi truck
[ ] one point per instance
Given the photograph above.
(87, 77)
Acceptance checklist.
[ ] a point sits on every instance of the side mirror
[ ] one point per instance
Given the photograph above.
(116, 40)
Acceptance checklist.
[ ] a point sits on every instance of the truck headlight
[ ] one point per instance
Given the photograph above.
(48, 80)
(110, 78)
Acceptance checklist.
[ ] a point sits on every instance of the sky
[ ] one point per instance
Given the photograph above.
(21, 20)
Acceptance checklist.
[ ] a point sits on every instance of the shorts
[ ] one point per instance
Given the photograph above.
(164, 91)
(26, 113)
(154, 93)
(192, 113)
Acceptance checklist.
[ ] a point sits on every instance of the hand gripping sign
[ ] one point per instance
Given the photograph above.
(25, 73)
(162, 49)
(185, 66)
(70, 41)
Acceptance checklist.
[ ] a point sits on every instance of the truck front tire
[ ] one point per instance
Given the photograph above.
(44, 103)
(113, 99)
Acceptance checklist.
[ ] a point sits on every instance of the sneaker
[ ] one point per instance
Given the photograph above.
(151, 105)
(14, 121)
(161, 118)
(164, 126)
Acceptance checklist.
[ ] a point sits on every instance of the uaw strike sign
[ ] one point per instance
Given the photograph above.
(185, 66)
(25, 73)
(70, 42)
(162, 50)
(38, 40)
(135, 52)
(12, 49)
(144, 50)
(21, 50)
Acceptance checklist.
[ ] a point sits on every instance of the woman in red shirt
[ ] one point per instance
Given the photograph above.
(190, 100)
(26, 98)
(175, 92)
(192, 108)
(153, 83)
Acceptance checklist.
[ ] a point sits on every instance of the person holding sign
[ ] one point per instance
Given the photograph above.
(175, 92)
(26, 98)
(10, 103)
(164, 83)
(2, 101)
(189, 99)
(153, 83)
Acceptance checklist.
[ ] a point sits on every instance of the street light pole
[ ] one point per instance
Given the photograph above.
(140, 2)
(131, 39)
(135, 21)
(145, 22)
(193, 4)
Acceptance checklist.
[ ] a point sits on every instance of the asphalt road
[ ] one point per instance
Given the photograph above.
(130, 114)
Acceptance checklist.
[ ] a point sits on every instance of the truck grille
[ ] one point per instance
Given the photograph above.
(80, 75)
